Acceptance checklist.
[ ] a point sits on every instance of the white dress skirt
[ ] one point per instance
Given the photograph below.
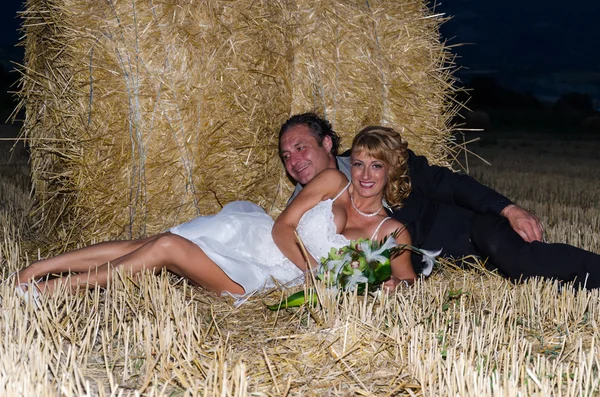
(238, 239)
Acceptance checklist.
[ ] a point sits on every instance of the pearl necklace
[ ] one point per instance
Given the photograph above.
(362, 213)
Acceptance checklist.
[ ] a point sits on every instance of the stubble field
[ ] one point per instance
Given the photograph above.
(457, 333)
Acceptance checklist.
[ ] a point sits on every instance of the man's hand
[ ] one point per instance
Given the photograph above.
(527, 225)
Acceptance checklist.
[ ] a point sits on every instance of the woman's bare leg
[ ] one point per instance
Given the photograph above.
(169, 251)
(82, 259)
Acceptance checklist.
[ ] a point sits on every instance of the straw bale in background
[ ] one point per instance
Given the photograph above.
(143, 114)
(374, 62)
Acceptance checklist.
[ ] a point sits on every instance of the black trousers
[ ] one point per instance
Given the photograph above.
(493, 237)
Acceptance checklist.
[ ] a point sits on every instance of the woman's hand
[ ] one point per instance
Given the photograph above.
(393, 283)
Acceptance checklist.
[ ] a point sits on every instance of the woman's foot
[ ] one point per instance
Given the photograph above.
(29, 292)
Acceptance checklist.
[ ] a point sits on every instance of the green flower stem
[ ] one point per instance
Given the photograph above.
(296, 300)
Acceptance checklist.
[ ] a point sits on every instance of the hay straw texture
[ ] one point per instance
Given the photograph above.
(461, 332)
(474, 335)
(374, 62)
(142, 114)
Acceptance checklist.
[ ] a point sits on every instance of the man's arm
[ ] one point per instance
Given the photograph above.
(441, 184)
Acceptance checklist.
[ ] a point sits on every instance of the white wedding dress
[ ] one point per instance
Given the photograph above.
(238, 239)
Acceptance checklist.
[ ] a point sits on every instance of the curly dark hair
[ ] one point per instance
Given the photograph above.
(319, 127)
(386, 144)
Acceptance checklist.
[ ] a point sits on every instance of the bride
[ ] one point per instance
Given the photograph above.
(241, 250)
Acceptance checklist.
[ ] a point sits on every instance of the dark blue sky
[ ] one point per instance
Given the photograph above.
(9, 23)
(525, 35)
(506, 35)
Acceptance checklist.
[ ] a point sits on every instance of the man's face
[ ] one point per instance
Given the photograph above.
(302, 156)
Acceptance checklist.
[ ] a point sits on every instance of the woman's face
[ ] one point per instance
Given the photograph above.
(369, 175)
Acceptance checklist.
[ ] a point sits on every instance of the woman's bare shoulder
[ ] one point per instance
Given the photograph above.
(332, 174)
(328, 179)
(391, 226)
(324, 185)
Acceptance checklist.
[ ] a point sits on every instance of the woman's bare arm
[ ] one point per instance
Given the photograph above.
(402, 268)
(324, 186)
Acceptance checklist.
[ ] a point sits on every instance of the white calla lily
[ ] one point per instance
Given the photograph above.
(429, 260)
(376, 255)
(356, 278)
(335, 266)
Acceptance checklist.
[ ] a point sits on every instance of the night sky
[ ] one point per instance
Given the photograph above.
(511, 37)
(527, 35)
(9, 22)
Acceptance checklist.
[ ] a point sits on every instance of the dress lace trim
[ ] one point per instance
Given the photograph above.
(318, 231)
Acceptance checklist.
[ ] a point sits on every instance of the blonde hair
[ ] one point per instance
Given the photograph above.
(385, 144)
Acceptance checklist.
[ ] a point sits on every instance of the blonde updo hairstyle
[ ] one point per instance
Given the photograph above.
(385, 144)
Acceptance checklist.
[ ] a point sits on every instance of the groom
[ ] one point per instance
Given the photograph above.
(444, 210)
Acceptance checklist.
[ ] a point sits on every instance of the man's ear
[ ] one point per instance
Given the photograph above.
(327, 143)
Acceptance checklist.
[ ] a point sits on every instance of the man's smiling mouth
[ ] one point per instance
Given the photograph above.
(299, 170)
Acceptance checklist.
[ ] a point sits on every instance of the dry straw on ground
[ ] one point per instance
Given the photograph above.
(457, 333)
(143, 114)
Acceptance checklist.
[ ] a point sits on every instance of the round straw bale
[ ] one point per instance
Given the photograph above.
(375, 62)
(143, 114)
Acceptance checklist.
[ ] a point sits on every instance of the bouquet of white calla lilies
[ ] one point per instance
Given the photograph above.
(357, 265)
